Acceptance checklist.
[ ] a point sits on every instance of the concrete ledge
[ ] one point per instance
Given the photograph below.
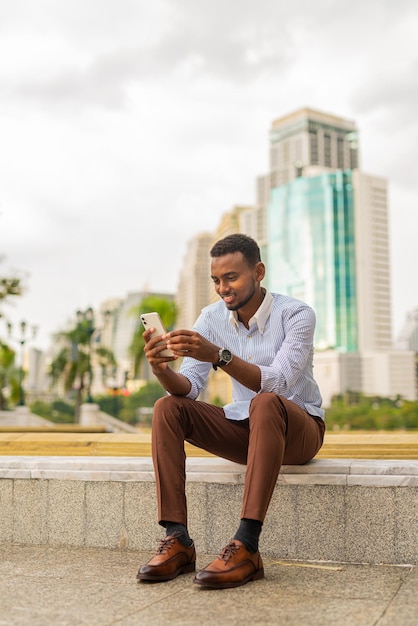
(373, 473)
(359, 511)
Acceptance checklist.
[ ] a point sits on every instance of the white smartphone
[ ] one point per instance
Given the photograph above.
(153, 320)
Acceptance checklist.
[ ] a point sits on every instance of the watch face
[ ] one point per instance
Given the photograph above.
(226, 355)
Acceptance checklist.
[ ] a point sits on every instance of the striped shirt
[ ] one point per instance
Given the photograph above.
(279, 340)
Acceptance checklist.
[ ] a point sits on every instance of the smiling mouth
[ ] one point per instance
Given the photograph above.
(228, 299)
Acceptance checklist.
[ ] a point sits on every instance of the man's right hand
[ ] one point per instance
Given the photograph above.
(172, 381)
(153, 348)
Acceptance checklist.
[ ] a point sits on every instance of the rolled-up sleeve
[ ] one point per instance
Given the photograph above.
(196, 372)
(294, 354)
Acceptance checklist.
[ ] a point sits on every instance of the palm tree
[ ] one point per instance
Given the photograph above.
(73, 363)
(168, 313)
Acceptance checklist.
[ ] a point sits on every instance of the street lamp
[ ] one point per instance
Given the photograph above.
(22, 339)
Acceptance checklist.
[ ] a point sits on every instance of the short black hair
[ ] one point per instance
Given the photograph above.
(238, 243)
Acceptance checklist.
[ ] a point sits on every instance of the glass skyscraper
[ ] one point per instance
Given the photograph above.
(326, 230)
(323, 227)
(311, 252)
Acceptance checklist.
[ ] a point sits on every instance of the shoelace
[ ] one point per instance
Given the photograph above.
(165, 544)
(229, 551)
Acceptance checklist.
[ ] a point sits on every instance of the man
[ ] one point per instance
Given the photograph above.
(264, 341)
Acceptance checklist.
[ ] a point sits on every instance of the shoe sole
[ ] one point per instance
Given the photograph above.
(186, 569)
(257, 575)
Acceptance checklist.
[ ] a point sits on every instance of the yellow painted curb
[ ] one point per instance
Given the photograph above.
(364, 445)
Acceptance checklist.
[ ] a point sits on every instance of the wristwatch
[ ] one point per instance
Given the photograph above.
(225, 357)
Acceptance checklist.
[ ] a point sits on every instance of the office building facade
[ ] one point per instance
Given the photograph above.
(195, 287)
(327, 243)
(408, 337)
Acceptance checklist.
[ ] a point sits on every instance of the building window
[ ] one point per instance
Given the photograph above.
(353, 158)
(313, 142)
(285, 152)
(327, 150)
(340, 153)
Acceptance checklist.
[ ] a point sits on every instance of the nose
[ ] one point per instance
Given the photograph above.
(223, 287)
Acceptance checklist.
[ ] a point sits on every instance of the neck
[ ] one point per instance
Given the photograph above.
(244, 315)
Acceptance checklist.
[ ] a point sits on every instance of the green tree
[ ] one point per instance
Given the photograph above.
(57, 411)
(143, 398)
(371, 413)
(73, 363)
(9, 286)
(9, 375)
(168, 313)
(106, 359)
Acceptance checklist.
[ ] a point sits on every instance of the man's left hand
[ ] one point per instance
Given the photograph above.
(191, 343)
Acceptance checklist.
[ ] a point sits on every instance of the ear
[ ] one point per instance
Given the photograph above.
(260, 271)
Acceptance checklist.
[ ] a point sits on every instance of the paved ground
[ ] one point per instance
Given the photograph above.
(44, 586)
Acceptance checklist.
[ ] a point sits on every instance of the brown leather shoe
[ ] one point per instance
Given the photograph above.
(234, 566)
(171, 559)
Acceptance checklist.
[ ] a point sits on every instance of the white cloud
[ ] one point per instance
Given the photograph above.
(128, 126)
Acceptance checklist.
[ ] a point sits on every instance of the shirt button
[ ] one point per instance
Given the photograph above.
(249, 358)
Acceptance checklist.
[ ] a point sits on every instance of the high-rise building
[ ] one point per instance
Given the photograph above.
(194, 287)
(326, 241)
(326, 232)
(328, 245)
(309, 137)
(408, 337)
(305, 138)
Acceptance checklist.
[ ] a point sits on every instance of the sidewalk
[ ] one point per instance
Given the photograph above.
(53, 586)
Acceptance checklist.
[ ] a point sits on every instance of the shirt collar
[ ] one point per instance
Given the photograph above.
(260, 317)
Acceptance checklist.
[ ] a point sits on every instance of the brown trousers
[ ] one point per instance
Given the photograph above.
(277, 432)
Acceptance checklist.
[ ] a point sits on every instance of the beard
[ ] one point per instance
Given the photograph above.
(242, 303)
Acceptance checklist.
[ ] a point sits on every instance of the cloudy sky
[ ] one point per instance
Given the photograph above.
(127, 126)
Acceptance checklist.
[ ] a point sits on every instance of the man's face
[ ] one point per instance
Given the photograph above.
(235, 281)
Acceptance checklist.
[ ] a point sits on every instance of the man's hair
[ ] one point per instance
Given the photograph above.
(238, 243)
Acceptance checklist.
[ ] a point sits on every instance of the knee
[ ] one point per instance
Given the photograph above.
(267, 401)
(267, 407)
(164, 405)
(166, 409)
(162, 409)
(161, 403)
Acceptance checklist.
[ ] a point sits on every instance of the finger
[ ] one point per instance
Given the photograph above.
(180, 333)
(179, 346)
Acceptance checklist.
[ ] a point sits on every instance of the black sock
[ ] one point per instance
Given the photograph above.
(180, 531)
(249, 532)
